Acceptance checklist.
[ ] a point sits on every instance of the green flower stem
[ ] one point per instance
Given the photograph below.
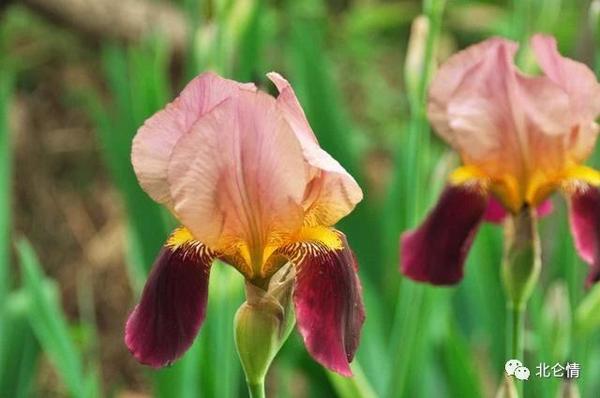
(516, 325)
(256, 389)
(521, 264)
(516, 314)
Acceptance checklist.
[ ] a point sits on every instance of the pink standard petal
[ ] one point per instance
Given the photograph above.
(333, 193)
(502, 121)
(436, 251)
(172, 308)
(329, 305)
(239, 175)
(505, 122)
(574, 77)
(451, 75)
(155, 140)
(582, 87)
(585, 227)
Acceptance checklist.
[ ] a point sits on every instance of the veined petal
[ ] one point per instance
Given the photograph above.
(332, 193)
(328, 301)
(435, 252)
(454, 72)
(505, 122)
(575, 78)
(582, 88)
(585, 226)
(155, 140)
(512, 126)
(238, 177)
(173, 304)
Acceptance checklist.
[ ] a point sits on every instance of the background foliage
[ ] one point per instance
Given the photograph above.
(69, 107)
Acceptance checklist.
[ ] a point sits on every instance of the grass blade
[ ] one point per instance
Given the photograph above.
(49, 323)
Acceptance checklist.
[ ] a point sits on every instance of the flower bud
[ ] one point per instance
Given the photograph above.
(263, 323)
(521, 261)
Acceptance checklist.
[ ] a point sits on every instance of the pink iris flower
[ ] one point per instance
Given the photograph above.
(244, 174)
(520, 139)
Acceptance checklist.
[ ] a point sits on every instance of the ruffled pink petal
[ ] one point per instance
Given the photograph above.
(436, 251)
(328, 303)
(239, 175)
(574, 77)
(172, 308)
(505, 122)
(155, 140)
(333, 193)
(496, 213)
(585, 227)
(452, 74)
(580, 83)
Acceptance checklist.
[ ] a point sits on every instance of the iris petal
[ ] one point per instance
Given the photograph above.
(239, 176)
(333, 193)
(173, 305)
(435, 252)
(155, 140)
(328, 302)
(585, 227)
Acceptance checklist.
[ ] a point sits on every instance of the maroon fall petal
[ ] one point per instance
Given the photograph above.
(172, 308)
(585, 227)
(435, 252)
(328, 303)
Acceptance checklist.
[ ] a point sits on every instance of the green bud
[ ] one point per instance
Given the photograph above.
(521, 261)
(263, 323)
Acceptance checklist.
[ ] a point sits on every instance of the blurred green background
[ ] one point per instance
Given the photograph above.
(77, 234)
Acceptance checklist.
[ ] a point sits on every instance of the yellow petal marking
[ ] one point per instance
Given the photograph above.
(179, 237)
(466, 174)
(583, 173)
(324, 235)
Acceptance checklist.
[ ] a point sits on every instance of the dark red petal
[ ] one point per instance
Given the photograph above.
(494, 211)
(435, 252)
(328, 303)
(585, 227)
(173, 305)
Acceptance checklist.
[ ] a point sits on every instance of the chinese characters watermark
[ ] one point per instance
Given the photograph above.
(568, 370)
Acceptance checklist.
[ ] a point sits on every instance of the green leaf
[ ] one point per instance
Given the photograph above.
(19, 350)
(49, 324)
(5, 181)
